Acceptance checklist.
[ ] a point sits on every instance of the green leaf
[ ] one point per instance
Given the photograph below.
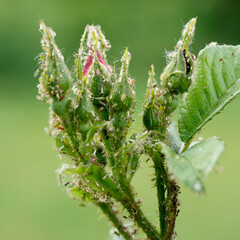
(204, 155)
(193, 166)
(216, 81)
(182, 168)
(173, 137)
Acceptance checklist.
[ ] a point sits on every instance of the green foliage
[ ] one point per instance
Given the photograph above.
(215, 83)
(91, 115)
(194, 165)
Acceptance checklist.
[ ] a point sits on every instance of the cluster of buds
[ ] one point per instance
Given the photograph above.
(161, 101)
(55, 79)
(102, 96)
(90, 110)
(158, 104)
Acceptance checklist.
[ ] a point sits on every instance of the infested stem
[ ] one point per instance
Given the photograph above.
(109, 212)
(130, 204)
(160, 183)
(136, 213)
(167, 193)
(173, 204)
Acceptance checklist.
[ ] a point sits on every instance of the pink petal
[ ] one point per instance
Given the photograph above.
(100, 59)
(88, 64)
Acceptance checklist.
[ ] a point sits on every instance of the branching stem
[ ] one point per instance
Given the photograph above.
(130, 204)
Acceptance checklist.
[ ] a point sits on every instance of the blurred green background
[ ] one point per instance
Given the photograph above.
(32, 206)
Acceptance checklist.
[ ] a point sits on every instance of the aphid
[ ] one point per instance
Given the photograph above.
(123, 97)
(133, 207)
(154, 85)
(115, 232)
(132, 82)
(37, 72)
(177, 212)
(101, 109)
(67, 122)
(61, 98)
(67, 183)
(61, 128)
(98, 71)
(135, 231)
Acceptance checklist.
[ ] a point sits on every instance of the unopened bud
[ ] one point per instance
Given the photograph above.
(122, 95)
(92, 69)
(170, 103)
(177, 75)
(101, 80)
(55, 78)
(84, 109)
(152, 109)
(62, 107)
(151, 117)
(93, 43)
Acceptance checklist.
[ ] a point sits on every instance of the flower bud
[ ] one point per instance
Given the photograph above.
(62, 107)
(152, 103)
(93, 42)
(84, 110)
(100, 87)
(79, 57)
(92, 69)
(151, 118)
(177, 75)
(122, 95)
(170, 103)
(84, 113)
(101, 80)
(55, 78)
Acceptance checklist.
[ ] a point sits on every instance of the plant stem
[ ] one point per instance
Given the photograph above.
(107, 210)
(173, 204)
(136, 213)
(129, 202)
(160, 184)
(167, 205)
